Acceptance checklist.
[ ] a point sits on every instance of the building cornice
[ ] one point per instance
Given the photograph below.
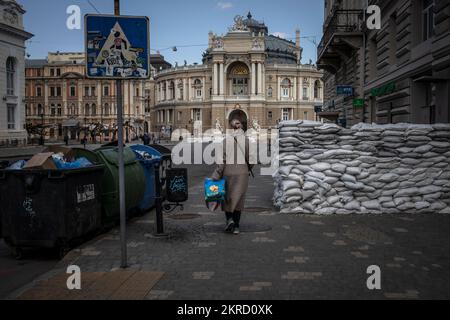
(15, 31)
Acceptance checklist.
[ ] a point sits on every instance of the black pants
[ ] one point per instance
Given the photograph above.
(236, 216)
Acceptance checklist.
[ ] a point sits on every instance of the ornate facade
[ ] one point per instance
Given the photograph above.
(246, 72)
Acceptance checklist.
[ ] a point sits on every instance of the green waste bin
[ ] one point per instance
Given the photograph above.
(134, 181)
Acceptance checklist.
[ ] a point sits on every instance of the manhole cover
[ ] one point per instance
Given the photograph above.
(366, 234)
(243, 228)
(184, 216)
(257, 209)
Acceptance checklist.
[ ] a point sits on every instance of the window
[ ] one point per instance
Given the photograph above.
(305, 93)
(285, 88)
(86, 110)
(137, 92)
(58, 91)
(52, 92)
(106, 91)
(38, 91)
(11, 116)
(270, 92)
(58, 72)
(59, 110)
(240, 86)
(53, 110)
(305, 115)
(10, 76)
(93, 92)
(427, 19)
(94, 110)
(86, 91)
(107, 110)
(197, 114)
(317, 90)
(40, 110)
(286, 114)
(52, 72)
(180, 114)
(72, 91)
(270, 115)
(38, 73)
(198, 88)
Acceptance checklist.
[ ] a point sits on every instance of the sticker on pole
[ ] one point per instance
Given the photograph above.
(117, 47)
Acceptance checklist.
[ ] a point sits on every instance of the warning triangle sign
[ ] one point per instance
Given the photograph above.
(117, 45)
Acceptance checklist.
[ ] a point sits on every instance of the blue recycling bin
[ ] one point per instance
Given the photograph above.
(148, 158)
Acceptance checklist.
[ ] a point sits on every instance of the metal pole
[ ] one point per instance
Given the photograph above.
(158, 204)
(123, 217)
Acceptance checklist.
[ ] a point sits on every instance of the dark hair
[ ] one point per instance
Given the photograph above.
(117, 34)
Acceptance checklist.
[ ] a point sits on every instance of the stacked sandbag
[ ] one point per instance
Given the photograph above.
(327, 169)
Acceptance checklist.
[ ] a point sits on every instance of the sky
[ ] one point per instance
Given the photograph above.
(181, 23)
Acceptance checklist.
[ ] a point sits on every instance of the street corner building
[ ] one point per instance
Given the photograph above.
(246, 73)
(398, 73)
(12, 74)
(61, 100)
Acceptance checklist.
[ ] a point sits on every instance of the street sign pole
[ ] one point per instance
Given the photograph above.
(123, 218)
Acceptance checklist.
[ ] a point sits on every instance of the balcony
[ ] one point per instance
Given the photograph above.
(343, 34)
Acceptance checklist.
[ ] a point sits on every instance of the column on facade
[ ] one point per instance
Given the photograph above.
(294, 93)
(46, 94)
(279, 88)
(189, 91)
(184, 90)
(300, 88)
(259, 66)
(215, 79)
(177, 92)
(253, 78)
(221, 79)
(64, 98)
(99, 98)
(204, 88)
(80, 98)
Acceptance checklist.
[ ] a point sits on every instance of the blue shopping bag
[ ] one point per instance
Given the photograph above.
(215, 191)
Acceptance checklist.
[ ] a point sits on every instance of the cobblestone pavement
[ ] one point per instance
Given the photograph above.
(277, 256)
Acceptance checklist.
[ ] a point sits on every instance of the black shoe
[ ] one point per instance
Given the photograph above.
(236, 231)
(230, 226)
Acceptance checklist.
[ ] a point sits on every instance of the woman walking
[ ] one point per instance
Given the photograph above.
(236, 175)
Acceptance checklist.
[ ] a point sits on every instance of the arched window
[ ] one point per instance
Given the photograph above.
(171, 91)
(270, 92)
(285, 88)
(40, 110)
(87, 110)
(59, 110)
(317, 90)
(53, 110)
(94, 109)
(10, 75)
(107, 110)
(239, 76)
(198, 86)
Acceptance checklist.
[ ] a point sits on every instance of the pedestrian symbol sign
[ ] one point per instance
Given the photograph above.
(117, 47)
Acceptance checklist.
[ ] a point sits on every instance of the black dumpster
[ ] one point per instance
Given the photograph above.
(50, 208)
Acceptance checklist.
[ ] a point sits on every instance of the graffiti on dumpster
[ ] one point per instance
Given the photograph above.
(85, 193)
(28, 206)
(178, 184)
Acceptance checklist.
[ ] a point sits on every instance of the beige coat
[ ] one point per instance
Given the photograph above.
(236, 176)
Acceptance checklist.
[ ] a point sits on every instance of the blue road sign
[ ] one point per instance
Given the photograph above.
(117, 47)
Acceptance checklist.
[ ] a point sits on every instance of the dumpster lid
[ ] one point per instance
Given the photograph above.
(111, 155)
